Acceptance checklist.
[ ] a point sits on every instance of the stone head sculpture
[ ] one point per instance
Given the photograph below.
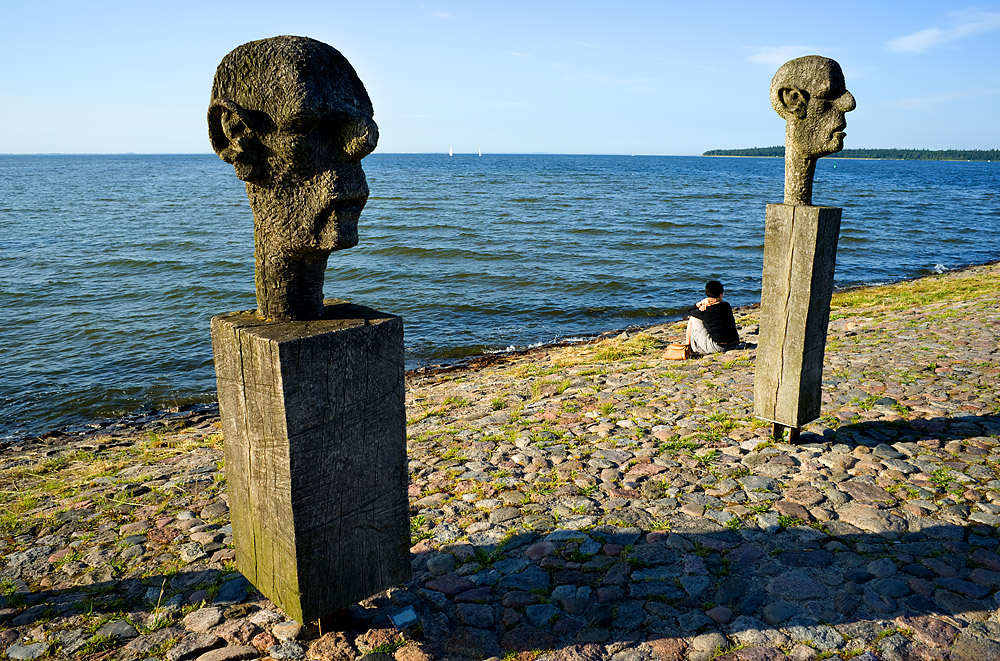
(810, 94)
(294, 120)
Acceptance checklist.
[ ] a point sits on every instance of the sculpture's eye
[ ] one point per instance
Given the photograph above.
(301, 124)
(355, 136)
(331, 127)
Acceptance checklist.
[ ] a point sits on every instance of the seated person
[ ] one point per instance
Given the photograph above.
(711, 326)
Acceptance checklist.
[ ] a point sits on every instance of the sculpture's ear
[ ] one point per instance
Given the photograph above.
(793, 102)
(232, 137)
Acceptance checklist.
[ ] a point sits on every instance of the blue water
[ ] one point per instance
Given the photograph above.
(111, 266)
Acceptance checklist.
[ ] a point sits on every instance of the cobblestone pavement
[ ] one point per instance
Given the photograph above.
(581, 502)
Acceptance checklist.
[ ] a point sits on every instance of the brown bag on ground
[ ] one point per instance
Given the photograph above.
(677, 352)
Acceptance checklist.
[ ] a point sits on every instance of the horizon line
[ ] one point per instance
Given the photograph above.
(492, 153)
(391, 153)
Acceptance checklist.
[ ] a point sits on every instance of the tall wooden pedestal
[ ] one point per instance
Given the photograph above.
(315, 443)
(800, 253)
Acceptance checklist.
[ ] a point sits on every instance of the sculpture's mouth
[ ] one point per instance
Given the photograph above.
(348, 206)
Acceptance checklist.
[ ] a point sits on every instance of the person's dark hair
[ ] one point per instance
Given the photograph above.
(714, 289)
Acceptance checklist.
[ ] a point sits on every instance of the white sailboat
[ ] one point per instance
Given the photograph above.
(450, 152)
(480, 151)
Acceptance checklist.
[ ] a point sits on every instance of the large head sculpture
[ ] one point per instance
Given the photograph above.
(294, 120)
(810, 94)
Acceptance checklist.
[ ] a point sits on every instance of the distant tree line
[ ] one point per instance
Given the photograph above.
(894, 154)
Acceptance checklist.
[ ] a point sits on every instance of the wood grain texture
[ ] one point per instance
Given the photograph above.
(314, 420)
(800, 255)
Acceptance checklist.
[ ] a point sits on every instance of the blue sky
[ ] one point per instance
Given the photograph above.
(566, 77)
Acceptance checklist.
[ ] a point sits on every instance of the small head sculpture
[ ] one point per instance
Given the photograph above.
(812, 97)
(294, 120)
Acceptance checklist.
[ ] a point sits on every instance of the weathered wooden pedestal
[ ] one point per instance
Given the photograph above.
(800, 254)
(315, 443)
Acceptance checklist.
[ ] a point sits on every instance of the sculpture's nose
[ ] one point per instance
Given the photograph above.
(845, 103)
(362, 138)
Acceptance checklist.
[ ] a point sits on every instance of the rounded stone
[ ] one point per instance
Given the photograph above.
(20, 652)
(289, 630)
(134, 551)
(441, 563)
(720, 614)
(190, 552)
(476, 615)
(288, 650)
(881, 568)
(203, 619)
(119, 629)
(708, 642)
(539, 615)
(890, 587)
(213, 511)
(232, 653)
(777, 612)
(233, 591)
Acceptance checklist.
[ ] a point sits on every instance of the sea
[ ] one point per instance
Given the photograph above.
(112, 265)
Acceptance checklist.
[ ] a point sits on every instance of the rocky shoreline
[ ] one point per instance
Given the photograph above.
(576, 502)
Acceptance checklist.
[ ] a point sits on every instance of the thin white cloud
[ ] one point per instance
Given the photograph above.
(967, 23)
(514, 54)
(775, 56)
(436, 14)
(587, 45)
(918, 42)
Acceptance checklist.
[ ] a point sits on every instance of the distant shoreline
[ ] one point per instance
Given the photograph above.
(985, 155)
(709, 154)
(860, 158)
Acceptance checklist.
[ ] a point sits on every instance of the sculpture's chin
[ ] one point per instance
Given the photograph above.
(339, 232)
(246, 171)
(347, 241)
(832, 146)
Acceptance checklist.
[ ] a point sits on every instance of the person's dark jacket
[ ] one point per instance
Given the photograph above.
(719, 322)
